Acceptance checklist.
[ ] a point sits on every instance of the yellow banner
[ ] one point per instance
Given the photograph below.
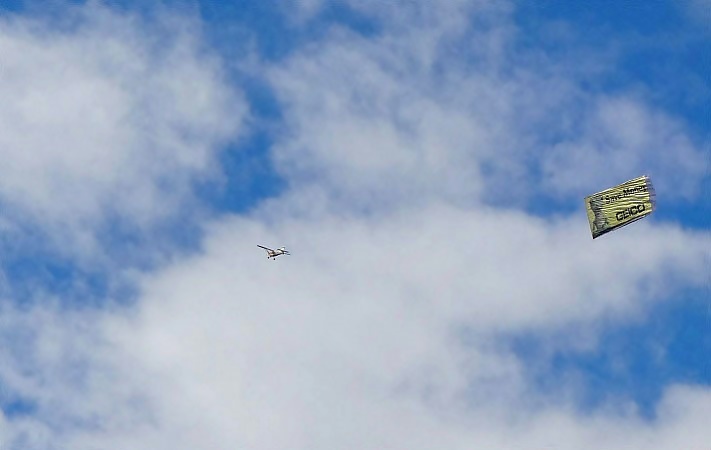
(620, 205)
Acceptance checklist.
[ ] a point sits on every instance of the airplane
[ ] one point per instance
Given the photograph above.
(271, 253)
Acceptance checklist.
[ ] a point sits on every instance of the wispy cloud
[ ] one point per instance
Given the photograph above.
(445, 104)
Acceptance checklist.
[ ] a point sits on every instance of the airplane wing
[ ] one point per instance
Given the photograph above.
(268, 250)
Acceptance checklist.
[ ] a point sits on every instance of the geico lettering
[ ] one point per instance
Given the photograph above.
(631, 211)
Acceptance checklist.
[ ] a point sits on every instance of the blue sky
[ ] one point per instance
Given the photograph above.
(426, 166)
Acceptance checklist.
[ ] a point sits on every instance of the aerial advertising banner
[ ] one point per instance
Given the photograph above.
(620, 205)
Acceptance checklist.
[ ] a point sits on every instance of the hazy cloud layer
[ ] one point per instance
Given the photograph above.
(384, 328)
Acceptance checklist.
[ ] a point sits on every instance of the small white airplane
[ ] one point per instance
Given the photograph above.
(271, 253)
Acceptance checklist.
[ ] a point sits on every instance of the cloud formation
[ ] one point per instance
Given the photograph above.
(106, 115)
(449, 104)
(403, 153)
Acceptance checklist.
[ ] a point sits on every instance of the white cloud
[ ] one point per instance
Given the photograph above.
(354, 340)
(380, 331)
(105, 115)
(440, 104)
(621, 139)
